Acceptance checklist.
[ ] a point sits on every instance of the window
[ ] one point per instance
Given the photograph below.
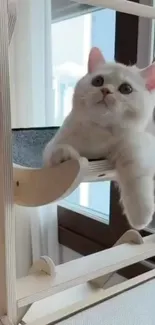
(71, 42)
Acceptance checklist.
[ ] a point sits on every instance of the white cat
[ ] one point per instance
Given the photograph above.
(112, 105)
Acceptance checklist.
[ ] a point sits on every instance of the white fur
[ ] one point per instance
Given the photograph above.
(113, 128)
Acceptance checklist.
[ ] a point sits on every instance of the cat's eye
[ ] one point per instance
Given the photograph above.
(97, 81)
(125, 88)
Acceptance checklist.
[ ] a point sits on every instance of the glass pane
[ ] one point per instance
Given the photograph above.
(64, 9)
(93, 198)
(71, 43)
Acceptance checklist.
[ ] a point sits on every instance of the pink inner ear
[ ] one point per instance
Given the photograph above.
(95, 58)
(149, 75)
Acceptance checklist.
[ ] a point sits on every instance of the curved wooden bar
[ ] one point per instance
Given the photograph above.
(36, 187)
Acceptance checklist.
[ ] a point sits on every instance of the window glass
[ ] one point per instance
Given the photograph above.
(71, 42)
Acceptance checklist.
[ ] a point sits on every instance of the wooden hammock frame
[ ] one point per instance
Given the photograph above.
(35, 187)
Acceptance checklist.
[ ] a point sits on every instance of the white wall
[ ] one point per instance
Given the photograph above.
(67, 254)
(23, 241)
(31, 65)
(36, 235)
(20, 67)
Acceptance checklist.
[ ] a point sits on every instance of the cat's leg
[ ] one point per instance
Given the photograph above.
(54, 155)
(137, 189)
(134, 158)
(137, 196)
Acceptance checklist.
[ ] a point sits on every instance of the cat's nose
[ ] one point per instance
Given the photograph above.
(105, 91)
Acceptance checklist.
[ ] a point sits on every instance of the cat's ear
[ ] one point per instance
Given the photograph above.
(149, 75)
(95, 58)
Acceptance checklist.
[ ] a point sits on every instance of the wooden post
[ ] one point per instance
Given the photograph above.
(7, 217)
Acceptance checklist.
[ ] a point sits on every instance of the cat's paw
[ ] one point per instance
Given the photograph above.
(58, 155)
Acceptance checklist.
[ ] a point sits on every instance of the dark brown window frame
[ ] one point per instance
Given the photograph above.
(87, 235)
(77, 231)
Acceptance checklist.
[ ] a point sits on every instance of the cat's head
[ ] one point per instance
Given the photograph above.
(114, 93)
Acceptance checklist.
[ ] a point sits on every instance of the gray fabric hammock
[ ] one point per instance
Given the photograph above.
(28, 145)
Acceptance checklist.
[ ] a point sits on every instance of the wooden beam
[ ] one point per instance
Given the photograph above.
(7, 216)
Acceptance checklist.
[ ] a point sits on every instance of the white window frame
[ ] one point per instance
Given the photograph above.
(145, 36)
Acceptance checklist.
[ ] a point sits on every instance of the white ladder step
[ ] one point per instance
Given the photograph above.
(38, 286)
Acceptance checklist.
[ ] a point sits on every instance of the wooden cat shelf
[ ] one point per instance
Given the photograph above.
(36, 187)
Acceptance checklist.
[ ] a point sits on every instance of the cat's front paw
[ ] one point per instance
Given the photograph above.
(58, 155)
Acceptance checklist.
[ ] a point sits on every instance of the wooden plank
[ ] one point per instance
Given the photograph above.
(40, 186)
(96, 297)
(86, 246)
(56, 302)
(7, 216)
(130, 236)
(35, 287)
(36, 187)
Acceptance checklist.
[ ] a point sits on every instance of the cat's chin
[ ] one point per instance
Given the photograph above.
(107, 102)
(102, 102)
